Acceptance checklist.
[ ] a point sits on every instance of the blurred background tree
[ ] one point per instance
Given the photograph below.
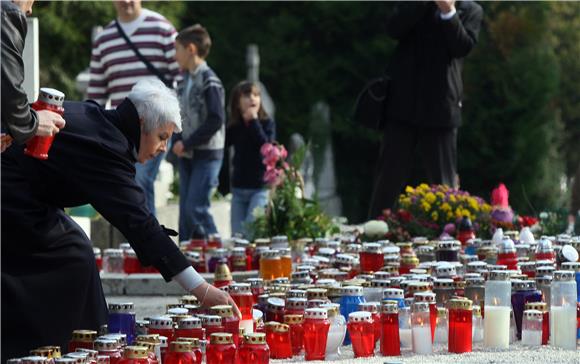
(522, 101)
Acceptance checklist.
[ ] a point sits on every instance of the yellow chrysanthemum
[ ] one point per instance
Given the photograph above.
(409, 189)
(425, 206)
(430, 197)
(434, 215)
(452, 199)
(445, 207)
(440, 195)
(423, 187)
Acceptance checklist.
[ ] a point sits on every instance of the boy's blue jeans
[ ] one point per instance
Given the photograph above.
(197, 178)
(244, 201)
(145, 177)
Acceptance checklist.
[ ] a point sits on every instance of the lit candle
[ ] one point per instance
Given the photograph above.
(405, 327)
(421, 328)
(496, 325)
(563, 310)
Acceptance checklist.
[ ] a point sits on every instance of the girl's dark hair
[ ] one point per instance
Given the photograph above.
(241, 89)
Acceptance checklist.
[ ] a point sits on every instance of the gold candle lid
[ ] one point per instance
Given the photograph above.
(136, 352)
(539, 306)
(316, 293)
(189, 300)
(293, 319)
(56, 353)
(255, 338)
(150, 346)
(222, 273)
(221, 338)
(86, 336)
(223, 310)
(180, 347)
(281, 328)
(151, 338)
(193, 341)
(390, 307)
(460, 304)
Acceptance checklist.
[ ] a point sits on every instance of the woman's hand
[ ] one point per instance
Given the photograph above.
(209, 296)
(250, 114)
(178, 148)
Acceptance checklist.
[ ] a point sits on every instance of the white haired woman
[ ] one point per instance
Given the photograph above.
(50, 285)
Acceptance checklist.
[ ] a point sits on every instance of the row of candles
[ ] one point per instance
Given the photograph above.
(418, 296)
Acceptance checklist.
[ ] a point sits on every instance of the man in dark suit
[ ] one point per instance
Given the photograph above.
(424, 103)
(50, 284)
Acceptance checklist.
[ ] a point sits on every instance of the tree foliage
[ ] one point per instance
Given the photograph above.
(522, 109)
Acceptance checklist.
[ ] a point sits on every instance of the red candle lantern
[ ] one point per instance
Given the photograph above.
(408, 262)
(373, 308)
(82, 339)
(212, 324)
(507, 254)
(221, 349)
(254, 349)
(371, 257)
(180, 352)
(316, 326)
(544, 250)
(275, 309)
(222, 275)
(230, 322)
(360, 328)
(239, 260)
(163, 326)
(109, 349)
(390, 342)
(466, 231)
(256, 286)
(135, 355)
(52, 100)
(242, 295)
(295, 306)
(296, 332)
(278, 339)
(460, 325)
(190, 327)
(131, 264)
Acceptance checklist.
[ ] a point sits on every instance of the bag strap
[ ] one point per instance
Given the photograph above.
(148, 64)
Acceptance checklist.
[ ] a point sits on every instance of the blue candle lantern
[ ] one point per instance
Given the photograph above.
(122, 320)
(352, 296)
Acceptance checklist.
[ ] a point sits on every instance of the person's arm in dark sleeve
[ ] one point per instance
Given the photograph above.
(215, 118)
(262, 132)
(461, 36)
(19, 119)
(111, 188)
(232, 133)
(404, 18)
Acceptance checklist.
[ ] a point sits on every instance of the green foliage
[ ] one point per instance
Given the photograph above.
(522, 106)
(288, 213)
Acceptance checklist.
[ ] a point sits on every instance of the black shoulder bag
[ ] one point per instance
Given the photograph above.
(148, 64)
(370, 106)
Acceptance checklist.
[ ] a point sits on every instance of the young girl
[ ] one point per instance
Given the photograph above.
(249, 128)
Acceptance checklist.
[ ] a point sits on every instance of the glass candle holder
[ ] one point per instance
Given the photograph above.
(286, 262)
(374, 293)
(421, 328)
(544, 250)
(180, 352)
(442, 329)
(230, 322)
(316, 327)
(563, 310)
(373, 308)
(532, 328)
(497, 310)
(507, 254)
(254, 349)
(163, 326)
(295, 306)
(575, 267)
(336, 332)
(444, 290)
(242, 295)
(448, 251)
(153, 343)
(522, 293)
(295, 322)
(475, 290)
(82, 339)
(239, 260)
(131, 264)
(190, 327)
(122, 320)
(270, 265)
(429, 297)
(221, 349)
(212, 324)
(352, 296)
(360, 327)
(113, 261)
(544, 284)
(395, 294)
(390, 341)
(405, 331)
(108, 348)
(279, 341)
(275, 309)
(48, 99)
(408, 262)
(134, 355)
(460, 326)
(477, 334)
(542, 307)
(371, 257)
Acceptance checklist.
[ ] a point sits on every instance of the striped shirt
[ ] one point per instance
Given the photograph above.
(115, 67)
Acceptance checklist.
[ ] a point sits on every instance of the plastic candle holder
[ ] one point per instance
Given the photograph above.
(532, 328)
(82, 339)
(390, 342)
(296, 332)
(421, 328)
(316, 327)
(360, 327)
(254, 349)
(336, 332)
(122, 320)
(497, 310)
(563, 311)
(221, 349)
(460, 326)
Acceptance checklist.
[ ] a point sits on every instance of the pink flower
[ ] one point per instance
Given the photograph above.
(265, 149)
(273, 176)
(283, 152)
(272, 156)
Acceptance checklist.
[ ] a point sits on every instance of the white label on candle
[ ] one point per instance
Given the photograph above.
(563, 327)
(422, 340)
(496, 327)
(406, 338)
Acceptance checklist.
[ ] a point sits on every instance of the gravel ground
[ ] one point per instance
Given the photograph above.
(155, 305)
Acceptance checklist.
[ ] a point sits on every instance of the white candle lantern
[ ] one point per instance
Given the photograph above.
(563, 310)
(496, 324)
(421, 328)
(532, 328)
